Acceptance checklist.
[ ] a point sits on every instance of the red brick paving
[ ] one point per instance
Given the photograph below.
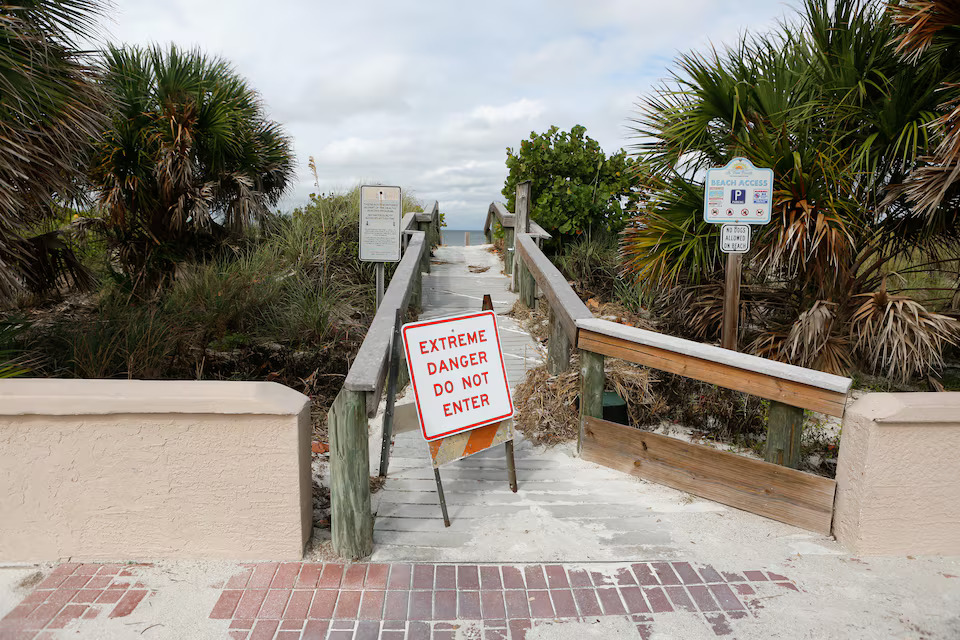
(312, 601)
(70, 593)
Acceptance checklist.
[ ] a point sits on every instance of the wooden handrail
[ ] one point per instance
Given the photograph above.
(508, 220)
(369, 370)
(786, 383)
(347, 420)
(564, 301)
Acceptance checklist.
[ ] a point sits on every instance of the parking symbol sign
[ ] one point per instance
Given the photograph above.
(738, 196)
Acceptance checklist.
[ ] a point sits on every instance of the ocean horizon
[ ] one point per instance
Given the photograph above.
(456, 237)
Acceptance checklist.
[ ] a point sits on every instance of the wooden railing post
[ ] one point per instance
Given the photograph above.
(416, 296)
(428, 241)
(591, 390)
(528, 286)
(558, 347)
(784, 433)
(521, 224)
(435, 227)
(350, 518)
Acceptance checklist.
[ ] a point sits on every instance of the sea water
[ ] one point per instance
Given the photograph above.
(456, 237)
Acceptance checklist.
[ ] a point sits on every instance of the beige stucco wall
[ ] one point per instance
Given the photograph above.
(121, 470)
(898, 475)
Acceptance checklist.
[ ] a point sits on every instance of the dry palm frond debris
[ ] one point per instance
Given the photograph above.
(547, 407)
(899, 337)
(535, 321)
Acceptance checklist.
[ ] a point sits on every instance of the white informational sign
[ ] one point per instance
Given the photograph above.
(457, 373)
(738, 193)
(380, 218)
(735, 238)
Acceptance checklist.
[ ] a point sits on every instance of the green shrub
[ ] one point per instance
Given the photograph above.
(118, 341)
(225, 295)
(592, 262)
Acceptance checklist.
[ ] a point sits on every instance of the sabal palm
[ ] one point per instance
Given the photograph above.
(50, 111)
(189, 146)
(829, 105)
(931, 30)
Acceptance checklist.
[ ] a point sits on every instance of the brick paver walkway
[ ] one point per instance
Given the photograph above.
(72, 592)
(287, 601)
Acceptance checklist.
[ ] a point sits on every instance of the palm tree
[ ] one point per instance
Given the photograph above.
(828, 105)
(50, 111)
(189, 155)
(934, 26)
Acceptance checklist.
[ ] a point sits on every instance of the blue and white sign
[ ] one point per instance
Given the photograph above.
(738, 193)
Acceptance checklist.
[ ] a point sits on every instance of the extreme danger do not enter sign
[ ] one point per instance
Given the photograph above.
(457, 373)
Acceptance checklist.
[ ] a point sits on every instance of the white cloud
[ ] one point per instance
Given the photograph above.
(430, 94)
(523, 109)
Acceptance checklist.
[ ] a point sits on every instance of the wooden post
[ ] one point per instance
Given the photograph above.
(784, 432)
(416, 296)
(466, 238)
(731, 301)
(350, 518)
(428, 244)
(508, 250)
(395, 355)
(558, 347)
(521, 224)
(528, 286)
(591, 390)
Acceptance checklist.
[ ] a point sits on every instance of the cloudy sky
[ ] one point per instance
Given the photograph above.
(429, 94)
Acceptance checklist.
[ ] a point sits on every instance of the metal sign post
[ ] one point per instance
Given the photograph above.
(380, 218)
(736, 196)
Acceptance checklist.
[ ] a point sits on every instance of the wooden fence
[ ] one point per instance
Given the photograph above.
(351, 519)
(772, 488)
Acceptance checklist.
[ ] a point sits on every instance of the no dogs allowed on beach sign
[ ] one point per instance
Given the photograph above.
(457, 373)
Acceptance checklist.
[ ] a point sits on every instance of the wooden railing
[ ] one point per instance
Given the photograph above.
(351, 519)
(498, 213)
(772, 488)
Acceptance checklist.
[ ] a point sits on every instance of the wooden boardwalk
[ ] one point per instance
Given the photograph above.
(566, 509)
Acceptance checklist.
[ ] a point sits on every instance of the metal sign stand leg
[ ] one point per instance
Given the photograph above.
(511, 465)
(443, 501)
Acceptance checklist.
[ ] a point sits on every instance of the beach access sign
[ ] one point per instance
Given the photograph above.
(380, 219)
(738, 193)
(457, 372)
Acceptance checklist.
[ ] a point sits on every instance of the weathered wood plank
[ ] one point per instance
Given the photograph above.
(784, 435)
(369, 370)
(773, 368)
(508, 220)
(350, 518)
(429, 212)
(591, 389)
(558, 346)
(740, 378)
(521, 225)
(800, 499)
(562, 298)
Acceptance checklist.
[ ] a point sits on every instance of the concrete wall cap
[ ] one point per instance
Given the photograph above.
(909, 408)
(58, 397)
